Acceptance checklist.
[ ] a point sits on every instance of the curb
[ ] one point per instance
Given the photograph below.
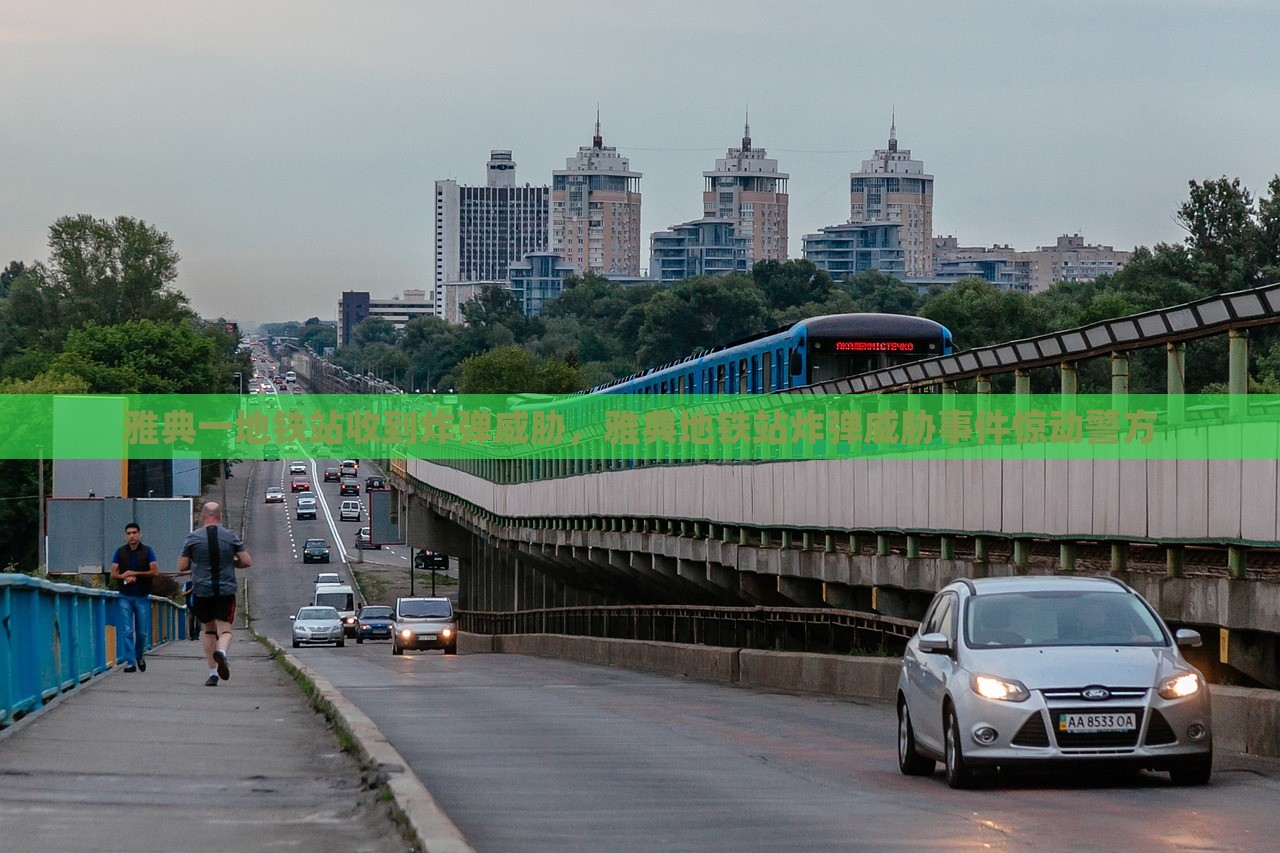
(432, 828)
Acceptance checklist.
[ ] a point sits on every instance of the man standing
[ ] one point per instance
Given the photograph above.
(211, 554)
(132, 568)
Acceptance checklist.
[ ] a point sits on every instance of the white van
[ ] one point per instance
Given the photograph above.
(341, 598)
(349, 511)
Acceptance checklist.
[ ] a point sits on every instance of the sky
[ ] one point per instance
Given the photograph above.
(290, 147)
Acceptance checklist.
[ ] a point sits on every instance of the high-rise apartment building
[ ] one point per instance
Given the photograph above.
(746, 188)
(894, 188)
(854, 247)
(705, 246)
(595, 211)
(481, 231)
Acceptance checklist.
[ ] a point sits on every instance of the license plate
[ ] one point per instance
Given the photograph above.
(1090, 723)
(426, 636)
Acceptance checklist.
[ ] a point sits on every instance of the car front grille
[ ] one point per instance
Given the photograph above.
(1096, 740)
(1076, 694)
(1032, 733)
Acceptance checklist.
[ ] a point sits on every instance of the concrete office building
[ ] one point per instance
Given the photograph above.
(595, 211)
(891, 187)
(1069, 259)
(855, 247)
(481, 231)
(746, 188)
(705, 246)
(537, 279)
(355, 306)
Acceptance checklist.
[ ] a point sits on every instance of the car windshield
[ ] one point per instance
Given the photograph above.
(439, 609)
(317, 613)
(376, 613)
(316, 543)
(274, 490)
(1060, 618)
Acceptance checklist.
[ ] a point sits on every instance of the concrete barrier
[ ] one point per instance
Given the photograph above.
(1244, 720)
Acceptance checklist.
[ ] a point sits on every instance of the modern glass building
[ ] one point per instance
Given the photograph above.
(854, 247)
(701, 247)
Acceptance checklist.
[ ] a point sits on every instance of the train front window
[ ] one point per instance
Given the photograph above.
(835, 358)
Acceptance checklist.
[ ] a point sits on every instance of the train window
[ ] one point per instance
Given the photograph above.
(768, 370)
(720, 379)
(680, 385)
(797, 363)
(664, 386)
(755, 374)
(744, 380)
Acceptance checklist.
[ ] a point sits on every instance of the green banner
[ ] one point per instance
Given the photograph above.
(651, 428)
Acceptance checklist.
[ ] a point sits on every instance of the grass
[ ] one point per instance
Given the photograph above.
(373, 586)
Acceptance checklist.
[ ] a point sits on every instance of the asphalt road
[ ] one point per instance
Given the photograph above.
(531, 754)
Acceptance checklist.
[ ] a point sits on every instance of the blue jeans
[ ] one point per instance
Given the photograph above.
(134, 637)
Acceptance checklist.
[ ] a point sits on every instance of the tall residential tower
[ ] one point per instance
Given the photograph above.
(894, 188)
(481, 231)
(595, 211)
(746, 188)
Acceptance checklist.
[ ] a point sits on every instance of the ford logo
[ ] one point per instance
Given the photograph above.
(1096, 694)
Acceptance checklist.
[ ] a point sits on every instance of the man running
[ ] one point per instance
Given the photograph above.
(212, 553)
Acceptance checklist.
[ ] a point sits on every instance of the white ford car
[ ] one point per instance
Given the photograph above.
(1008, 671)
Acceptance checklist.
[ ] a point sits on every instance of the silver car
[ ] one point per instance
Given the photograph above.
(1007, 671)
(318, 625)
(425, 623)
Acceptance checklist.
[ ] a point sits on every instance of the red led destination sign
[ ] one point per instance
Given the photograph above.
(875, 346)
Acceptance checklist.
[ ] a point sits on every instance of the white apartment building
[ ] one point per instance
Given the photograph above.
(481, 231)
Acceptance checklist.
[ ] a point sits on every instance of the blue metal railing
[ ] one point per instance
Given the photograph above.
(55, 636)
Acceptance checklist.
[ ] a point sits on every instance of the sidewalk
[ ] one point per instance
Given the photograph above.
(156, 761)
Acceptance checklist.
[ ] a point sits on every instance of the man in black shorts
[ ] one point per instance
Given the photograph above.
(211, 554)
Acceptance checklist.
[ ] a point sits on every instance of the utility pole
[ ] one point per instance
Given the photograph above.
(42, 559)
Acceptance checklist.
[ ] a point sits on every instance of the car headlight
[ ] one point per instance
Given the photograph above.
(406, 633)
(1180, 686)
(1000, 689)
(349, 620)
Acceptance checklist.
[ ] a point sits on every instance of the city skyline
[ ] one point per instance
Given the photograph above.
(291, 151)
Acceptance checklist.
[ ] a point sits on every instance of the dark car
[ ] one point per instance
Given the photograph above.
(375, 622)
(349, 487)
(431, 560)
(332, 475)
(300, 484)
(315, 551)
(374, 483)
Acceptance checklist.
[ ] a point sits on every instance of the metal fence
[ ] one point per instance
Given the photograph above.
(780, 628)
(55, 636)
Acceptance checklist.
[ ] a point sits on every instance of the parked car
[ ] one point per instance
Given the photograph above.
(300, 484)
(1007, 671)
(363, 537)
(349, 487)
(375, 622)
(328, 578)
(349, 510)
(318, 625)
(425, 623)
(431, 560)
(305, 508)
(297, 468)
(273, 495)
(315, 551)
(332, 474)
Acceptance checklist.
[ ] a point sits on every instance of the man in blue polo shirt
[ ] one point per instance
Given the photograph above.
(133, 568)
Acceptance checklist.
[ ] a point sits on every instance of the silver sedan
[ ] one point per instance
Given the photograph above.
(318, 625)
(1007, 671)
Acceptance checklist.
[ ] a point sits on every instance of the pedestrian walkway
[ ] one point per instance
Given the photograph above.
(157, 761)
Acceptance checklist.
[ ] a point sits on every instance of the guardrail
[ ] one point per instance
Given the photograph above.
(780, 628)
(55, 636)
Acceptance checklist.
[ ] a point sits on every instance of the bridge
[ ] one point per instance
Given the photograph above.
(537, 751)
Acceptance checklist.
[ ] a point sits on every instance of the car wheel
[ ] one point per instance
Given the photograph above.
(296, 644)
(910, 762)
(359, 641)
(1193, 771)
(959, 774)
(396, 650)
(450, 650)
(342, 643)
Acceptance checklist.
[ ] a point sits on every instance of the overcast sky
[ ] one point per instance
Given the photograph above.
(289, 147)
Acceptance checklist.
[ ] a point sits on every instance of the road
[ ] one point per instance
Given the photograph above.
(531, 754)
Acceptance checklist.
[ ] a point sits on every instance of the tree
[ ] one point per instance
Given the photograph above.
(374, 330)
(786, 284)
(515, 370)
(317, 336)
(980, 314)
(699, 313)
(145, 357)
(879, 293)
(11, 272)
